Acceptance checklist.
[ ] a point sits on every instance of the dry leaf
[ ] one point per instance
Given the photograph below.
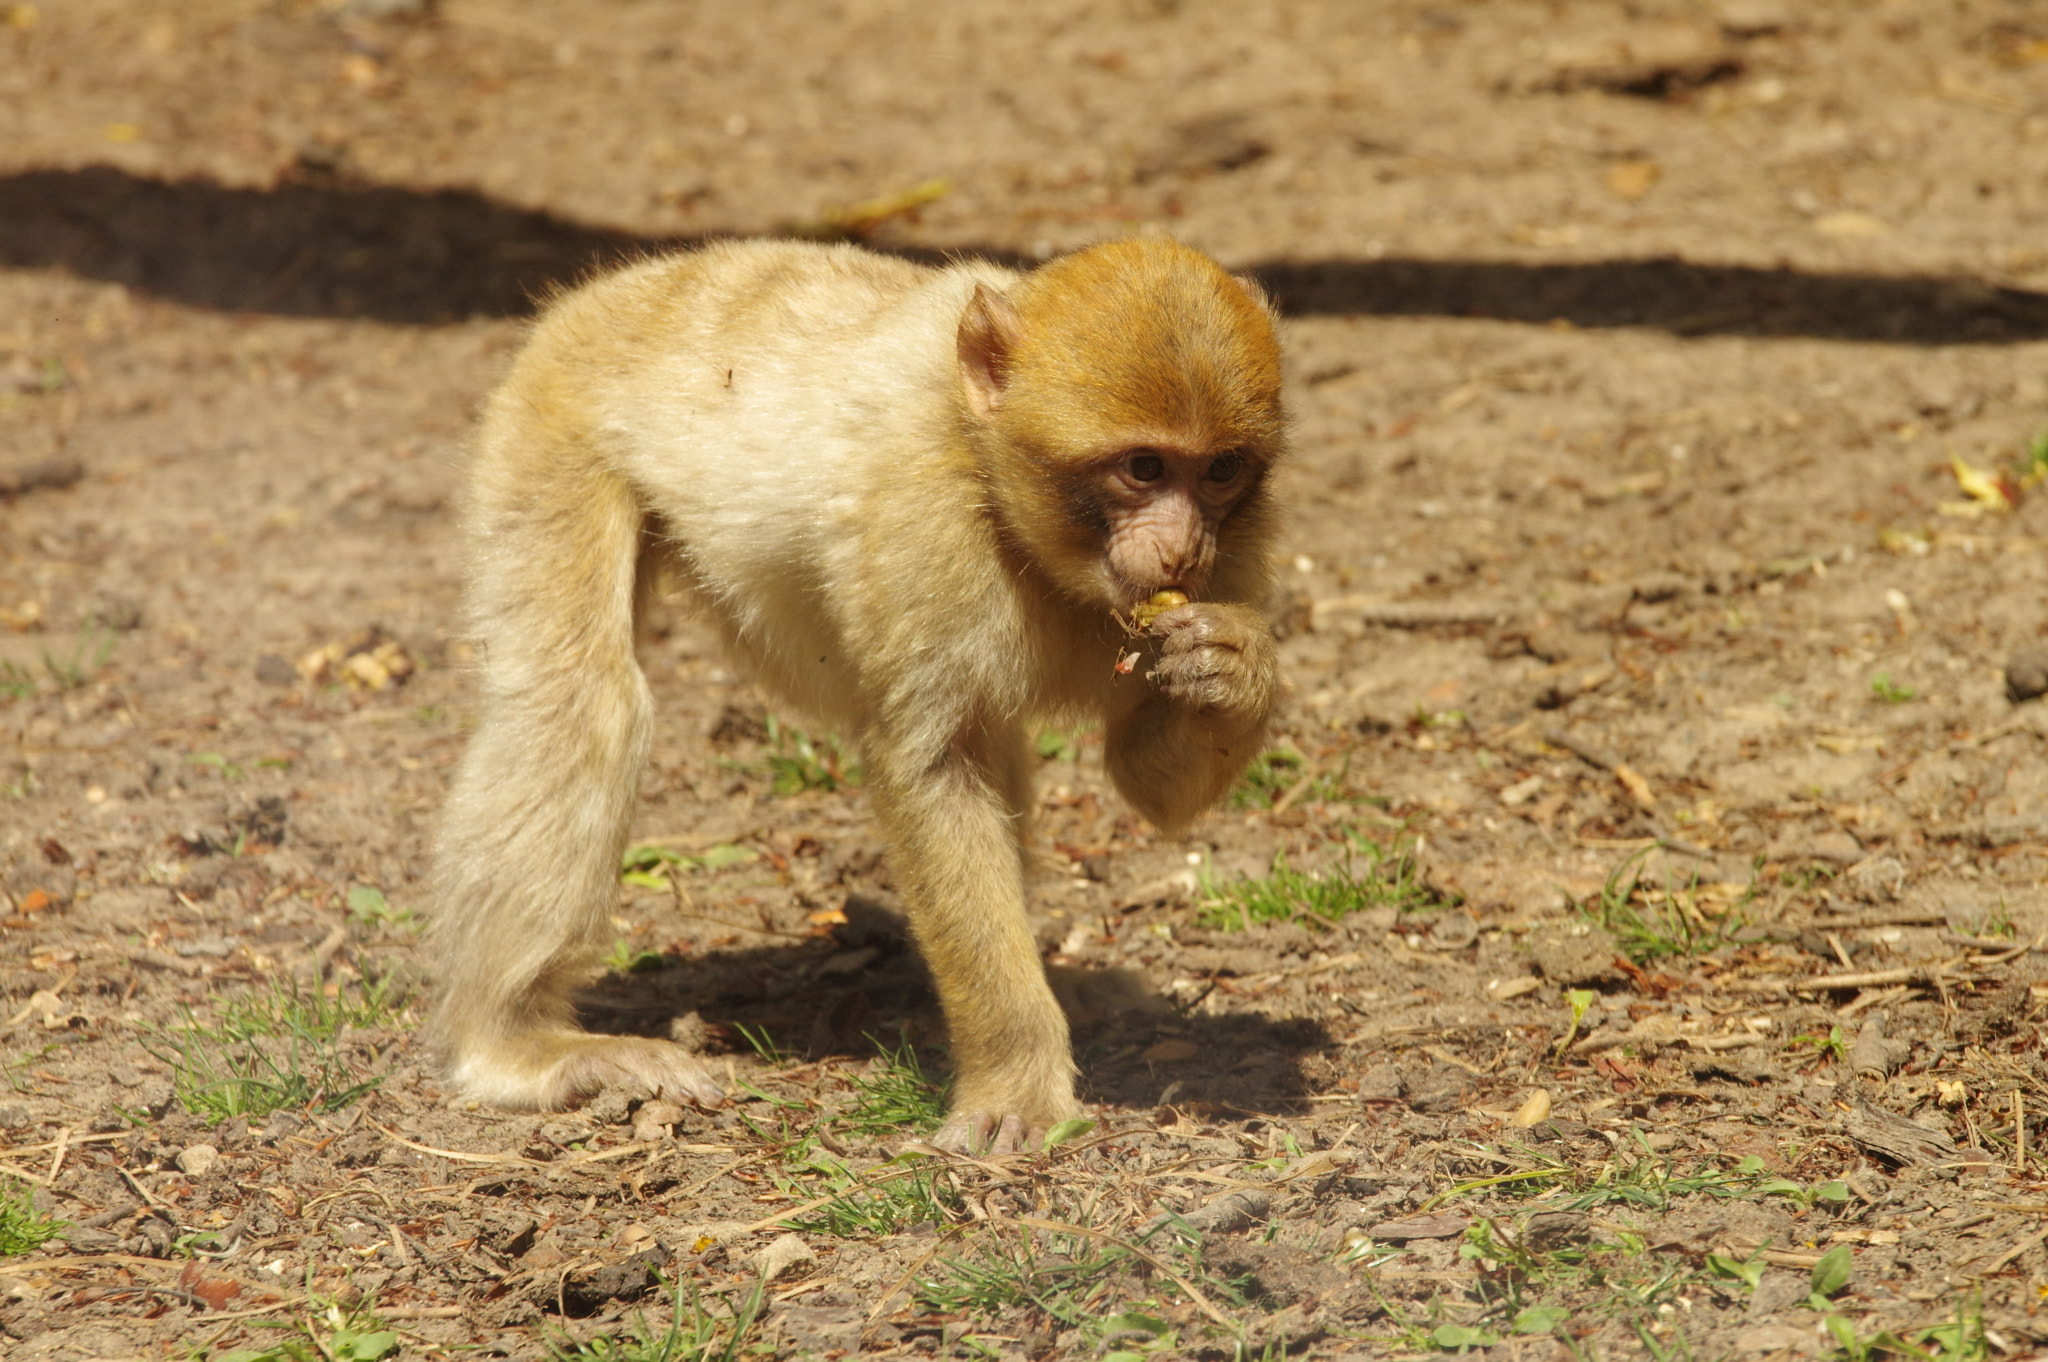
(1983, 485)
(1533, 1111)
(210, 1287)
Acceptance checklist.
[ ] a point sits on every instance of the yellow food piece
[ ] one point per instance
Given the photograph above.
(1161, 602)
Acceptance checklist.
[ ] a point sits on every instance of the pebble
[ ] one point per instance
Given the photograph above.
(2026, 675)
(197, 1160)
(785, 1254)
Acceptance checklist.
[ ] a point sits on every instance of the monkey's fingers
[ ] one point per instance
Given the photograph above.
(1179, 619)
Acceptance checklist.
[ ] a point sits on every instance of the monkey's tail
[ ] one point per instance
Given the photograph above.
(528, 861)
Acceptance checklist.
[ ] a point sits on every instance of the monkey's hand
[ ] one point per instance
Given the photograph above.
(1217, 662)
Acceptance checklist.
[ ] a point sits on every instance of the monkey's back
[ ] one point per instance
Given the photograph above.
(747, 392)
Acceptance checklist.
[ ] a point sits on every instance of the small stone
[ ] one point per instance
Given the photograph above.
(2026, 675)
(613, 1105)
(655, 1120)
(1382, 1083)
(125, 1075)
(197, 1160)
(785, 1253)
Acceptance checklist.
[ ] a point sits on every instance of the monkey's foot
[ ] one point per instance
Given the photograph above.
(981, 1132)
(551, 1070)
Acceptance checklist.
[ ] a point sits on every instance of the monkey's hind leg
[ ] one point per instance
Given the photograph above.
(527, 868)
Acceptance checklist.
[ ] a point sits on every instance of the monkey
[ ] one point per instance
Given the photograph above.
(919, 503)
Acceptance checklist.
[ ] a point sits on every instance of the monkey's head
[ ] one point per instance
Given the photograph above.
(1123, 404)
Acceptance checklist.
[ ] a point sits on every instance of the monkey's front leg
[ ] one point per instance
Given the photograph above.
(1178, 748)
(953, 835)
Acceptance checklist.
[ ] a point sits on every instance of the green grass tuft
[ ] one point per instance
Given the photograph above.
(272, 1050)
(333, 1332)
(23, 1228)
(1272, 774)
(1650, 923)
(1365, 876)
(694, 1332)
(799, 762)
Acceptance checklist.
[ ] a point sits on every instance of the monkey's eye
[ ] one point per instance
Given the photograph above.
(1145, 466)
(1225, 467)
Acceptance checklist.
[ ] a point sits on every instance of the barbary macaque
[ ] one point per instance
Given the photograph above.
(923, 505)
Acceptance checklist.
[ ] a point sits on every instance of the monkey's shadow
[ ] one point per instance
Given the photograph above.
(865, 987)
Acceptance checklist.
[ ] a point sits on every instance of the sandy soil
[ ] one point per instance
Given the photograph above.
(1634, 349)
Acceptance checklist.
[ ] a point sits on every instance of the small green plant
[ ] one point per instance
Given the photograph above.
(896, 1096)
(649, 866)
(1650, 923)
(95, 645)
(883, 1200)
(1521, 1289)
(799, 762)
(1890, 691)
(627, 958)
(1644, 1179)
(368, 906)
(1364, 876)
(1065, 1281)
(1750, 1177)
(1272, 774)
(1131, 1335)
(228, 769)
(695, 1331)
(1830, 1275)
(1580, 1001)
(1833, 1046)
(1962, 1338)
(1061, 744)
(762, 1042)
(22, 1227)
(271, 1050)
(16, 683)
(1748, 1271)
(2034, 463)
(332, 1333)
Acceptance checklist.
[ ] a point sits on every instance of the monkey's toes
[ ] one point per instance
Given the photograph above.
(663, 1069)
(979, 1132)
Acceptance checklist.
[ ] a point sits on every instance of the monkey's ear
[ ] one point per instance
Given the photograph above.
(1253, 287)
(989, 332)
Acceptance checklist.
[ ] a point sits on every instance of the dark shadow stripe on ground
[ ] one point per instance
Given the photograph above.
(321, 248)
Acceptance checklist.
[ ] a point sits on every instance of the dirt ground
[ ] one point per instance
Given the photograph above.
(1665, 602)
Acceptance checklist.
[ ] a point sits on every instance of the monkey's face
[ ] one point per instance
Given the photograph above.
(1124, 406)
(1160, 510)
